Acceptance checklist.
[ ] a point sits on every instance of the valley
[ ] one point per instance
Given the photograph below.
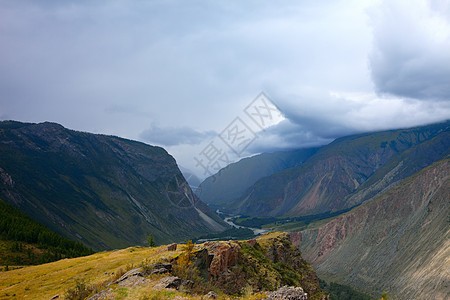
(368, 213)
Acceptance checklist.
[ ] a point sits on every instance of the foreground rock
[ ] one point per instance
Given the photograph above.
(173, 282)
(288, 293)
(160, 268)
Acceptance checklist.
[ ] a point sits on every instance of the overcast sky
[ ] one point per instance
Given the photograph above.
(177, 73)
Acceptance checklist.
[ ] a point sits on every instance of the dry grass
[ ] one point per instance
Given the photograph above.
(47, 280)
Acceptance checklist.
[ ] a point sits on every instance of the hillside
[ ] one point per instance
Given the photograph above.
(104, 191)
(233, 180)
(23, 241)
(345, 173)
(249, 269)
(398, 242)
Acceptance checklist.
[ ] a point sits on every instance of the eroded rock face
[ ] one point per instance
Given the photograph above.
(225, 256)
(396, 242)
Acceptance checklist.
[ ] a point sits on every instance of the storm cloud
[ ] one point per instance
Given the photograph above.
(173, 73)
(411, 55)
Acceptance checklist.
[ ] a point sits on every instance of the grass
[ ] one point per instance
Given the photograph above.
(48, 280)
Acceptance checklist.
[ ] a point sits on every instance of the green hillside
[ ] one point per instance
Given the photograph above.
(104, 191)
(26, 242)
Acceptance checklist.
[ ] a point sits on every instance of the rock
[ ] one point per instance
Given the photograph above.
(159, 271)
(172, 247)
(133, 281)
(288, 293)
(252, 242)
(211, 295)
(225, 256)
(202, 259)
(160, 268)
(105, 294)
(169, 282)
(187, 284)
(135, 272)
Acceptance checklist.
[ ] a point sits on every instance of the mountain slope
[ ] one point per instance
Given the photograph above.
(104, 191)
(23, 241)
(346, 172)
(232, 181)
(398, 242)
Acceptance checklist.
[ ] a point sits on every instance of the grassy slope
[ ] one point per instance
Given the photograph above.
(46, 281)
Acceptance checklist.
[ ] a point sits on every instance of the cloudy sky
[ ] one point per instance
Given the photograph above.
(178, 73)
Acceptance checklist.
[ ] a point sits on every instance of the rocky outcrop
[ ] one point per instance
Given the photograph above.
(104, 191)
(397, 242)
(225, 255)
(263, 264)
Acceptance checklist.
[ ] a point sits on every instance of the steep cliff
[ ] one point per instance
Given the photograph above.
(398, 242)
(104, 191)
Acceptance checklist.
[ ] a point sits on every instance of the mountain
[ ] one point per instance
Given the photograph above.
(245, 269)
(104, 191)
(23, 241)
(232, 181)
(398, 242)
(345, 173)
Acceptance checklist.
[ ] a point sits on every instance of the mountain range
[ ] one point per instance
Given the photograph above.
(335, 177)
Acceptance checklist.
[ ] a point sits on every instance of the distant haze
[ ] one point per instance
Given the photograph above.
(177, 73)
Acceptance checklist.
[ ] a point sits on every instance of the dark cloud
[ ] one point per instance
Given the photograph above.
(170, 136)
(411, 55)
(192, 67)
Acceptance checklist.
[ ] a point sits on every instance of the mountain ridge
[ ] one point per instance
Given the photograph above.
(104, 191)
(329, 178)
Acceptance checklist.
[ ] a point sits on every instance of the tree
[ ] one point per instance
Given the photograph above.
(151, 241)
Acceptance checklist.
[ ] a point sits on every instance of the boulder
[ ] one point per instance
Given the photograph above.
(172, 247)
(135, 272)
(288, 293)
(211, 295)
(169, 282)
(160, 268)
